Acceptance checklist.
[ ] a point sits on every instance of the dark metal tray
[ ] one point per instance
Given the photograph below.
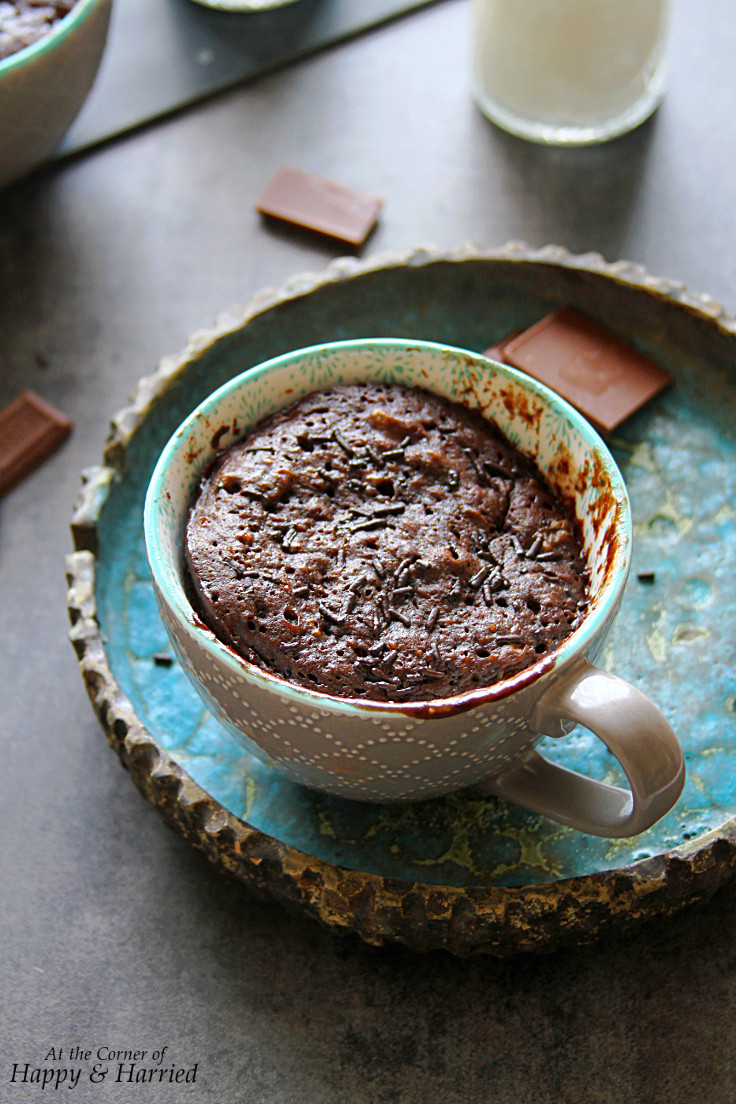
(163, 55)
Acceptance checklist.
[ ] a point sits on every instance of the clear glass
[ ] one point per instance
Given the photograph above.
(569, 72)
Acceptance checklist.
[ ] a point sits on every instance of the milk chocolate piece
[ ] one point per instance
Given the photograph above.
(601, 376)
(497, 351)
(317, 204)
(30, 430)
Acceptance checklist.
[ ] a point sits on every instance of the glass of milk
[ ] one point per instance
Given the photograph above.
(569, 72)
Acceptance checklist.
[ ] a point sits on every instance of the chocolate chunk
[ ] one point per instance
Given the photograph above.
(30, 430)
(317, 204)
(601, 376)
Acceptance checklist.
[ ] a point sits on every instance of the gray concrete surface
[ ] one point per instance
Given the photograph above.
(113, 932)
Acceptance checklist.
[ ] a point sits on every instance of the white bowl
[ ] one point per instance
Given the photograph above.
(43, 87)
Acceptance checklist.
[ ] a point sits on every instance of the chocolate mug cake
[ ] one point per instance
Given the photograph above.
(378, 542)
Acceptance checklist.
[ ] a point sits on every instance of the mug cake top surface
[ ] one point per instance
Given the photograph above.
(379, 542)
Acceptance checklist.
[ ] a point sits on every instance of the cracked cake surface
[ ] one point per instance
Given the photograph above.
(379, 542)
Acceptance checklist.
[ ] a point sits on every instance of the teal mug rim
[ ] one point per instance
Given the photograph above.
(575, 645)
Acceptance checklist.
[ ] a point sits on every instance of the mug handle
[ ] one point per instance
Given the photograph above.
(631, 727)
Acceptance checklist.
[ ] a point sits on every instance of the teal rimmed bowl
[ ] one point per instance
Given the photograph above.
(44, 85)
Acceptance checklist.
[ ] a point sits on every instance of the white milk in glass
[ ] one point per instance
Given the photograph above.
(568, 71)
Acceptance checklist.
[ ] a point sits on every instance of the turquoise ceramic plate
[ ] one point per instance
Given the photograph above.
(463, 872)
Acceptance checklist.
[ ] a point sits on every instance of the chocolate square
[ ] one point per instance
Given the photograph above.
(315, 203)
(601, 376)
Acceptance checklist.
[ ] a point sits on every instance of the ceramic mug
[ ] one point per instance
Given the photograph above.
(388, 751)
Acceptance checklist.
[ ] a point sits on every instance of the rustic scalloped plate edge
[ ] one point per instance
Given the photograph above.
(496, 920)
